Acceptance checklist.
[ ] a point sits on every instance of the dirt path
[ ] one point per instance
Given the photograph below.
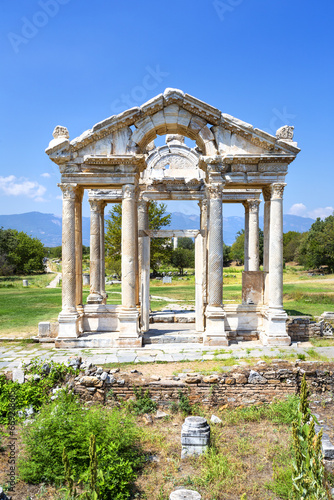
(54, 283)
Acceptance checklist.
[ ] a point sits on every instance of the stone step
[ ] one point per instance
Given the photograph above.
(170, 339)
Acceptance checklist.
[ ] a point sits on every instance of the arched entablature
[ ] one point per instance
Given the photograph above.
(174, 159)
(174, 119)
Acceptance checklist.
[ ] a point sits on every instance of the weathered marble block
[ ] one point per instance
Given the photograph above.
(195, 436)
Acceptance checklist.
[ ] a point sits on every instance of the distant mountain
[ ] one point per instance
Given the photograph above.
(47, 227)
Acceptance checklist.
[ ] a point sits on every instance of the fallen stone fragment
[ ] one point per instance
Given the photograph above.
(161, 414)
(185, 495)
(215, 420)
(256, 378)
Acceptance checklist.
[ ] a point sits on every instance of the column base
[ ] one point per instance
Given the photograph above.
(215, 327)
(275, 333)
(94, 298)
(129, 327)
(69, 325)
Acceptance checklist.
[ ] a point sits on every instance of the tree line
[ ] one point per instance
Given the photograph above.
(23, 254)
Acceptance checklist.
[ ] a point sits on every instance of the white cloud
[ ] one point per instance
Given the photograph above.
(46, 174)
(321, 212)
(13, 186)
(298, 209)
(301, 210)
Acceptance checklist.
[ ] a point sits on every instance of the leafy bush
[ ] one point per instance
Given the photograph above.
(33, 392)
(65, 424)
(143, 402)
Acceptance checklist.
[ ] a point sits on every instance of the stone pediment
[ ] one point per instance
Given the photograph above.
(173, 112)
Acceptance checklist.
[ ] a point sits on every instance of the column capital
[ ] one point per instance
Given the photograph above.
(96, 205)
(129, 191)
(266, 191)
(277, 190)
(203, 204)
(246, 205)
(70, 191)
(215, 191)
(253, 205)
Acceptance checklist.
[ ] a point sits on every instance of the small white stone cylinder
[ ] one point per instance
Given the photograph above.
(185, 495)
(25, 282)
(86, 279)
(195, 436)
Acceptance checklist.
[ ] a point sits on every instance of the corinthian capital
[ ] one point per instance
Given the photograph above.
(254, 205)
(277, 190)
(215, 191)
(96, 205)
(70, 191)
(129, 191)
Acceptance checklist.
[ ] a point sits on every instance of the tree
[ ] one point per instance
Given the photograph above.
(317, 246)
(183, 257)
(291, 242)
(238, 248)
(20, 253)
(226, 255)
(160, 247)
(237, 252)
(186, 243)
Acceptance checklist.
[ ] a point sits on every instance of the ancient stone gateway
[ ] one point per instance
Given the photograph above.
(117, 161)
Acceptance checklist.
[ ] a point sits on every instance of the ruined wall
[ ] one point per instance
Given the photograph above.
(236, 387)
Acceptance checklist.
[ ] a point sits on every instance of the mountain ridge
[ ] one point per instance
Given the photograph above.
(47, 227)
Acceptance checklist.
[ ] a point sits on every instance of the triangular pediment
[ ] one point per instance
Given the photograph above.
(171, 112)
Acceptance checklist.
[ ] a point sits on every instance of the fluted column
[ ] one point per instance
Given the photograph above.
(266, 238)
(68, 318)
(246, 241)
(102, 255)
(128, 316)
(201, 267)
(144, 265)
(253, 241)
(215, 329)
(78, 248)
(275, 319)
(276, 248)
(95, 296)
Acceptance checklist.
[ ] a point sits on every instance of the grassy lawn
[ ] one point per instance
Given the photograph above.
(21, 309)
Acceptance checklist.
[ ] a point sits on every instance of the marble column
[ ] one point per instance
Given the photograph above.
(95, 296)
(215, 328)
(78, 248)
(129, 315)
(69, 317)
(275, 328)
(102, 255)
(246, 242)
(253, 239)
(266, 238)
(144, 265)
(201, 271)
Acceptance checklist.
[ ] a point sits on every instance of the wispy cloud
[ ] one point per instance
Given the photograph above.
(13, 186)
(301, 210)
(46, 175)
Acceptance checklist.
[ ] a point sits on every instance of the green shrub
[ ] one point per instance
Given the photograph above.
(143, 403)
(282, 481)
(279, 412)
(32, 392)
(65, 424)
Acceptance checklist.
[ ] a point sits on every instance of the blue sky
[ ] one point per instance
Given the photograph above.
(76, 62)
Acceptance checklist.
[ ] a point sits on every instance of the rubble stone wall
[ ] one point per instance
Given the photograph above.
(237, 387)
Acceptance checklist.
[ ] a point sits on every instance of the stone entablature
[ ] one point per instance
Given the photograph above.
(117, 161)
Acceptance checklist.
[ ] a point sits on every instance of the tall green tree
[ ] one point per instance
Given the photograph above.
(160, 247)
(317, 246)
(20, 253)
(185, 242)
(183, 257)
(238, 248)
(291, 243)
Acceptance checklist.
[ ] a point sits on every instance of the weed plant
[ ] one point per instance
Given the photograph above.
(65, 424)
(143, 403)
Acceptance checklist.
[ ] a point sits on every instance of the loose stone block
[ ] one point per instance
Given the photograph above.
(195, 436)
(185, 495)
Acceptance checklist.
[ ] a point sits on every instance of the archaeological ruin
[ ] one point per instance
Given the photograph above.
(117, 161)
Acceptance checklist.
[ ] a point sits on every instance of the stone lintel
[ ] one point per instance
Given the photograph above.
(172, 233)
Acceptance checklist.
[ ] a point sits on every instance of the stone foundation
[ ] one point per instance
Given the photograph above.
(238, 387)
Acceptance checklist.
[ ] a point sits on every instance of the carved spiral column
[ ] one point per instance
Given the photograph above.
(68, 249)
(95, 296)
(129, 247)
(246, 241)
(215, 260)
(253, 242)
(144, 264)
(276, 248)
